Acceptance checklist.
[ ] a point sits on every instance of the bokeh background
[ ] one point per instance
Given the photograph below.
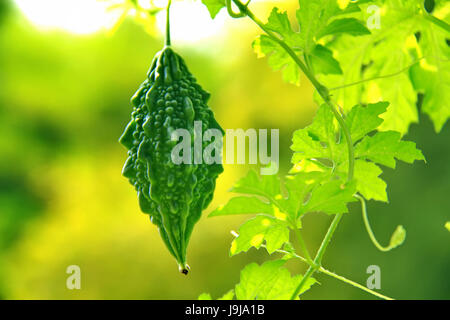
(65, 84)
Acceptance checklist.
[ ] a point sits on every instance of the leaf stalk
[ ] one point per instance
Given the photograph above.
(168, 23)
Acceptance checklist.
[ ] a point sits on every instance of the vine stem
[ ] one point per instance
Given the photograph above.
(377, 77)
(318, 259)
(368, 227)
(323, 92)
(336, 276)
(353, 283)
(302, 245)
(440, 23)
(168, 23)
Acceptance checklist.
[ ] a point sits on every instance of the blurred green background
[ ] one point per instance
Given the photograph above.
(64, 101)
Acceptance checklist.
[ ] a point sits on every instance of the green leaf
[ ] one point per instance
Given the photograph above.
(398, 237)
(267, 186)
(227, 296)
(305, 147)
(385, 147)
(282, 205)
(214, 6)
(243, 205)
(278, 58)
(432, 75)
(318, 140)
(402, 110)
(313, 17)
(368, 182)
(322, 143)
(323, 127)
(299, 187)
(350, 26)
(257, 230)
(269, 281)
(436, 88)
(331, 197)
(279, 22)
(385, 65)
(447, 225)
(205, 296)
(323, 61)
(363, 120)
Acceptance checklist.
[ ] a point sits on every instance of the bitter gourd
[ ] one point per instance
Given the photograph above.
(174, 195)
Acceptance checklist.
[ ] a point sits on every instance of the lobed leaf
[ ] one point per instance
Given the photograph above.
(404, 55)
(278, 58)
(363, 120)
(350, 26)
(385, 147)
(227, 296)
(243, 205)
(432, 76)
(267, 186)
(368, 182)
(314, 18)
(257, 230)
(269, 281)
(214, 6)
(323, 61)
(322, 143)
(331, 197)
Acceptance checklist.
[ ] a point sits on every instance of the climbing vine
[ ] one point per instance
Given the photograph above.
(369, 83)
(374, 65)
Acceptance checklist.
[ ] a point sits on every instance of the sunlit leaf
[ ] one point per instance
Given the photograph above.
(205, 296)
(331, 197)
(269, 281)
(214, 6)
(398, 237)
(385, 147)
(318, 143)
(350, 26)
(243, 205)
(256, 231)
(323, 61)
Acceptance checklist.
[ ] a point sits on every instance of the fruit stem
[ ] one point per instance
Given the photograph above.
(168, 24)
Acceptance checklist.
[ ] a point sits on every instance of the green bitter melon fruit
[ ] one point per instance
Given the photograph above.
(173, 195)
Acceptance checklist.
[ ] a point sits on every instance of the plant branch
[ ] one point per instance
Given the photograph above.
(303, 245)
(353, 283)
(336, 276)
(438, 22)
(319, 255)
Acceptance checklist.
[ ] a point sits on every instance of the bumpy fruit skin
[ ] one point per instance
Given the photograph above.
(173, 195)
